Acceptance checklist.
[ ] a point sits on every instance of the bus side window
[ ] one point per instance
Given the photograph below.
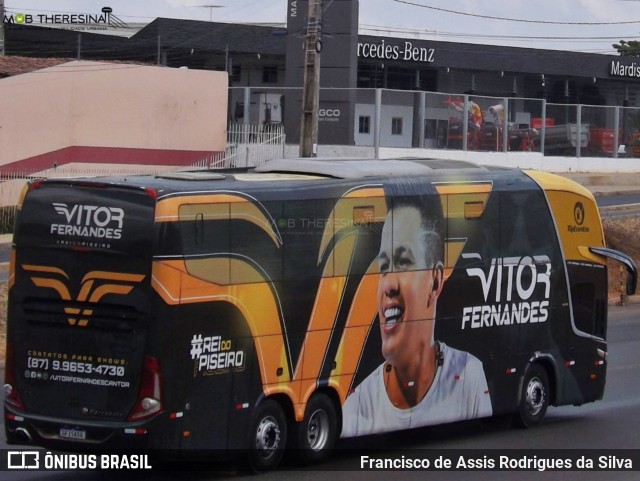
(204, 230)
(232, 243)
(470, 223)
(256, 242)
(305, 227)
(473, 209)
(351, 237)
(588, 297)
(584, 313)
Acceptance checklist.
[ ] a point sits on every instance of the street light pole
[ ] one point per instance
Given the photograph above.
(311, 92)
(1, 28)
(210, 7)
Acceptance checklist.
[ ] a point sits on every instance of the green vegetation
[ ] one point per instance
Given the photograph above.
(7, 219)
(629, 48)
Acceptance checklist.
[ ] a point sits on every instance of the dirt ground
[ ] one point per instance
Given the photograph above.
(621, 234)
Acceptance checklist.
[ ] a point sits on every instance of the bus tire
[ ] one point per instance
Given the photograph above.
(534, 398)
(268, 437)
(316, 434)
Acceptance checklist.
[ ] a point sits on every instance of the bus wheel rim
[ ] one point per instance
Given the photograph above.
(267, 436)
(318, 430)
(535, 396)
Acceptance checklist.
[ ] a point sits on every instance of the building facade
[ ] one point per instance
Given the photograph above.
(422, 85)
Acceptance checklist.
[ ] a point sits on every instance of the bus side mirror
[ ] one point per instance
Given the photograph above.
(624, 259)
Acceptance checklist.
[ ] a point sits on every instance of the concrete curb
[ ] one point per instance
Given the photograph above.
(617, 208)
(607, 193)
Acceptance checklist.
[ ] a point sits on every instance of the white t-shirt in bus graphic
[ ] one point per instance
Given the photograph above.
(459, 391)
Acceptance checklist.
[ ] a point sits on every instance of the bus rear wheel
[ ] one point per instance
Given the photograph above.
(316, 433)
(534, 398)
(268, 437)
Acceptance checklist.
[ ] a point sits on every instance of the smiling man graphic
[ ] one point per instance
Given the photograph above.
(422, 381)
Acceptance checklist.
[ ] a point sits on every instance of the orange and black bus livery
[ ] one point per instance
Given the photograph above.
(250, 309)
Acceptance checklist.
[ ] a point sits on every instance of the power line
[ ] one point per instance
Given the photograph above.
(382, 28)
(508, 19)
(251, 4)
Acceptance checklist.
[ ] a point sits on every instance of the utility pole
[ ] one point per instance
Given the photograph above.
(1, 28)
(311, 92)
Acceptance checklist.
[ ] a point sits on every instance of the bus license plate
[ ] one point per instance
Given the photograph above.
(67, 433)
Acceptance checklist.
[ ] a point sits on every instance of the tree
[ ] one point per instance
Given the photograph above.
(628, 49)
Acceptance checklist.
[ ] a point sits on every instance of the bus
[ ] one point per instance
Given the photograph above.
(287, 306)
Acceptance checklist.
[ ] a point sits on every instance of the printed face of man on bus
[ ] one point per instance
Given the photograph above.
(411, 278)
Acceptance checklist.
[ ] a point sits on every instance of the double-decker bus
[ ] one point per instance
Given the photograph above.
(305, 300)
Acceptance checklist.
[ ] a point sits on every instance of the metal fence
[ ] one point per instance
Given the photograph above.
(417, 119)
(247, 146)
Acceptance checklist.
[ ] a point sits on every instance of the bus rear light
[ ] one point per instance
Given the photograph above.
(35, 184)
(151, 192)
(9, 388)
(13, 417)
(150, 404)
(150, 395)
(136, 431)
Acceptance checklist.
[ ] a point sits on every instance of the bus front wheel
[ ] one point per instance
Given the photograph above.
(269, 436)
(534, 398)
(316, 434)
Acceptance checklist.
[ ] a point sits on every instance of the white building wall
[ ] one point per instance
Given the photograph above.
(388, 113)
(107, 105)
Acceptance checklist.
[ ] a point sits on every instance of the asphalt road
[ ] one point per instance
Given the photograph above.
(612, 423)
(618, 199)
(4, 252)
(619, 205)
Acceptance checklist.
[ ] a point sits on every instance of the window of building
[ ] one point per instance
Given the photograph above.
(364, 124)
(370, 76)
(236, 73)
(396, 126)
(400, 78)
(269, 74)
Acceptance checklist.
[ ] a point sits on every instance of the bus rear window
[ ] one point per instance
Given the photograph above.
(60, 215)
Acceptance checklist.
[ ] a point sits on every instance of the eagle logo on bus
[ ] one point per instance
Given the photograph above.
(94, 286)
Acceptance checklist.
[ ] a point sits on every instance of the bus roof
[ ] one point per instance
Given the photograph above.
(295, 173)
(360, 168)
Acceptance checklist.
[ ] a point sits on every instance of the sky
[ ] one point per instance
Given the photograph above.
(576, 25)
